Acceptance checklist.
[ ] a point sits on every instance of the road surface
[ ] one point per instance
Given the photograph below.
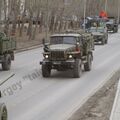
(29, 96)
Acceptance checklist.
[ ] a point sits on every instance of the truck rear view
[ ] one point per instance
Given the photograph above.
(7, 47)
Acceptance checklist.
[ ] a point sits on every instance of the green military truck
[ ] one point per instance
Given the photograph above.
(68, 51)
(3, 111)
(7, 47)
(100, 34)
(112, 24)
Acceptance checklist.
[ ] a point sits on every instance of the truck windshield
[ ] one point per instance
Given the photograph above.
(62, 40)
(111, 20)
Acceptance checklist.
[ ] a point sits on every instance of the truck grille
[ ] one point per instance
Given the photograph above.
(57, 55)
(96, 37)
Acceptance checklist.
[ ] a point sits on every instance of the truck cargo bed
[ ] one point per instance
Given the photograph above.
(7, 44)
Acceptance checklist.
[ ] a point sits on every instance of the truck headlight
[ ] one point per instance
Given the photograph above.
(70, 56)
(46, 56)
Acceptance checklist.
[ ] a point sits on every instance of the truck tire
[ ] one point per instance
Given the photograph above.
(88, 64)
(115, 30)
(46, 70)
(6, 64)
(103, 41)
(77, 71)
(106, 40)
(3, 112)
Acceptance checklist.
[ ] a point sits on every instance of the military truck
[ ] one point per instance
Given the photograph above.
(7, 47)
(3, 111)
(112, 25)
(100, 34)
(68, 51)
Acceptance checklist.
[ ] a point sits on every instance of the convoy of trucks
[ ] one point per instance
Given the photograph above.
(71, 50)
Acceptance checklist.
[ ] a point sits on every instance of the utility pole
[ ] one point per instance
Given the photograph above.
(118, 11)
(85, 1)
(47, 4)
(106, 3)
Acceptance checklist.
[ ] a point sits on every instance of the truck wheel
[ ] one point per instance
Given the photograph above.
(77, 68)
(106, 40)
(116, 30)
(6, 64)
(3, 112)
(88, 64)
(103, 41)
(46, 71)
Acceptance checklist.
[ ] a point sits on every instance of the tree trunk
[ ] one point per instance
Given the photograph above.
(6, 26)
(36, 24)
(29, 30)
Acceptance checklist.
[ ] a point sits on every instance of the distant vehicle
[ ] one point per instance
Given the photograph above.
(112, 25)
(7, 47)
(90, 21)
(3, 111)
(100, 34)
(68, 51)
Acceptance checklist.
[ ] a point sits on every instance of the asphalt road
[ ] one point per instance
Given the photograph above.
(29, 96)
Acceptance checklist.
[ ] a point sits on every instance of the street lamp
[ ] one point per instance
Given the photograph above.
(106, 2)
(85, 1)
(118, 11)
(47, 19)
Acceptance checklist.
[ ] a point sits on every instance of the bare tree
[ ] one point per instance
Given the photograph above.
(62, 14)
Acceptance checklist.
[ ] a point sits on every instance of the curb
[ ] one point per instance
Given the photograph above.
(113, 112)
(28, 48)
(114, 75)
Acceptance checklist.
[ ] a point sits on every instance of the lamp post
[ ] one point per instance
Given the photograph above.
(85, 1)
(118, 11)
(106, 2)
(47, 19)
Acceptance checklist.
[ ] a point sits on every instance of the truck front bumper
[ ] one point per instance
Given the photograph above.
(98, 38)
(61, 65)
(72, 61)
